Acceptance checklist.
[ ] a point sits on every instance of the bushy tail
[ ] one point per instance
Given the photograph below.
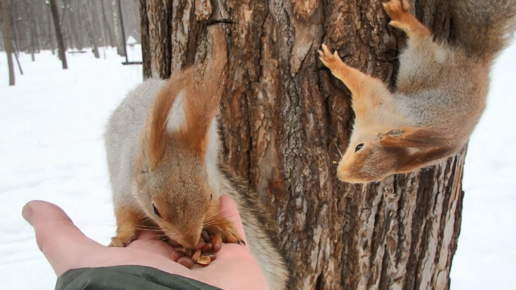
(484, 27)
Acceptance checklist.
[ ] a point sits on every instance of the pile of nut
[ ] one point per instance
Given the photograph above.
(202, 254)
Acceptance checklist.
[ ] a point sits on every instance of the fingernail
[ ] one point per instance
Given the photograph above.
(28, 214)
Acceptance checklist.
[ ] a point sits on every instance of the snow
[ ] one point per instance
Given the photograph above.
(51, 148)
(131, 41)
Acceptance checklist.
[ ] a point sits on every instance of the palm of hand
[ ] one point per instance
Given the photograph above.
(65, 247)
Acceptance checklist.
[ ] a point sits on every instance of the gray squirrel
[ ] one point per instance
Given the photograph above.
(162, 150)
(440, 92)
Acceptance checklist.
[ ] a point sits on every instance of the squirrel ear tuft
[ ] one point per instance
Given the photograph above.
(410, 162)
(429, 146)
(166, 115)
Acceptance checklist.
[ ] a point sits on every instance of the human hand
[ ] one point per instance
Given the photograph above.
(66, 247)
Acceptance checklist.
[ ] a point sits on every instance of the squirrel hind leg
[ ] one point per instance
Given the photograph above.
(401, 18)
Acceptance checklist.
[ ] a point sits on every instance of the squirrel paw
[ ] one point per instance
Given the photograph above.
(328, 59)
(396, 9)
(227, 231)
(121, 242)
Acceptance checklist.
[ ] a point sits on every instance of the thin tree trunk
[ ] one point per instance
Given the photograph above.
(284, 120)
(86, 14)
(59, 36)
(95, 19)
(106, 24)
(16, 58)
(80, 29)
(116, 27)
(7, 41)
(74, 31)
(32, 28)
(15, 34)
(51, 43)
(38, 24)
(137, 19)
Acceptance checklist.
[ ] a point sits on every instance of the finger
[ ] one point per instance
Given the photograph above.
(148, 241)
(229, 210)
(62, 243)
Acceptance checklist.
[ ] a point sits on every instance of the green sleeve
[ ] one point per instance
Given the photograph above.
(126, 278)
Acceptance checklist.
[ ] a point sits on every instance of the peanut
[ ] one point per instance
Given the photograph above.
(186, 261)
(204, 261)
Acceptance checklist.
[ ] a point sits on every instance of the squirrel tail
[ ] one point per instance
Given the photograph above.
(484, 27)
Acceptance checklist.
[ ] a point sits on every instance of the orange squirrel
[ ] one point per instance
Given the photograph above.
(162, 149)
(440, 95)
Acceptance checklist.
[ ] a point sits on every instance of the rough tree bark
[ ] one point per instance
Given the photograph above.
(8, 40)
(285, 120)
(59, 36)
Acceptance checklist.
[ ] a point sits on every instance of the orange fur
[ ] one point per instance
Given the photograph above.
(409, 162)
(156, 125)
(127, 221)
(413, 138)
(170, 172)
(203, 89)
(440, 94)
(404, 20)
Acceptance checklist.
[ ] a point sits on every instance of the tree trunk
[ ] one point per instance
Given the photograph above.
(7, 40)
(86, 15)
(74, 31)
(117, 28)
(59, 36)
(31, 22)
(285, 120)
(49, 28)
(107, 29)
(16, 36)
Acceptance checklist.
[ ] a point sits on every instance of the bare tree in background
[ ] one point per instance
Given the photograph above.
(59, 36)
(85, 9)
(284, 120)
(7, 40)
(107, 28)
(51, 42)
(116, 27)
(31, 23)
(13, 11)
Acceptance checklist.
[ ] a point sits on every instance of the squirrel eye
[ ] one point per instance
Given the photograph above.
(359, 146)
(211, 196)
(156, 212)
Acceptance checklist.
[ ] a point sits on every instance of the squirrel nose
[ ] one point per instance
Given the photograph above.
(190, 241)
(341, 174)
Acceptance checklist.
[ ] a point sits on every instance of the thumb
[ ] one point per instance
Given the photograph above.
(62, 243)
(229, 210)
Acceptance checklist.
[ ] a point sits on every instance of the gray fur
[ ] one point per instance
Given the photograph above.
(122, 137)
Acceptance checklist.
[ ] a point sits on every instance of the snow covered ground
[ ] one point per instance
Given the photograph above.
(51, 148)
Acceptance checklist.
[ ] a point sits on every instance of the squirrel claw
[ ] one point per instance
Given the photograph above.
(327, 58)
(226, 230)
(396, 9)
(117, 242)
